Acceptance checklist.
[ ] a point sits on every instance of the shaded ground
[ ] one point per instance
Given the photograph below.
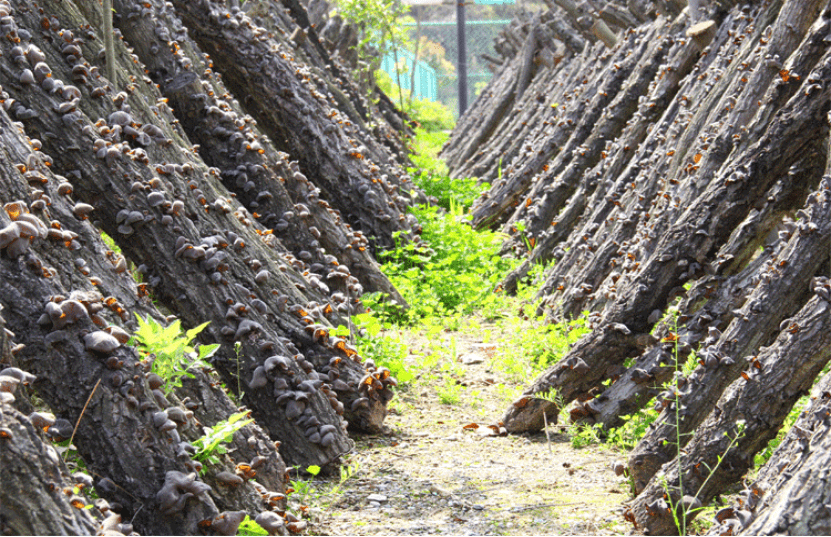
(430, 475)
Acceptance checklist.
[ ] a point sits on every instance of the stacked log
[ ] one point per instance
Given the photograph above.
(682, 200)
(186, 162)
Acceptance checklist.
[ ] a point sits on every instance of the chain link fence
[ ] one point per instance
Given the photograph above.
(436, 73)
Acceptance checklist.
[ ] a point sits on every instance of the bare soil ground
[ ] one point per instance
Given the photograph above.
(430, 475)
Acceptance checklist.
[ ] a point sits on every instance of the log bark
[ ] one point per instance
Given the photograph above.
(34, 479)
(295, 114)
(115, 435)
(765, 161)
(272, 303)
(748, 414)
(34, 476)
(791, 493)
(261, 177)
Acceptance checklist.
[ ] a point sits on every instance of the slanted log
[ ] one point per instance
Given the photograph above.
(295, 115)
(791, 493)
(572, 129)
(248, 163)
(638, 194)
(556, 186)
(34, 479)
(179, 232)
(34, 475)
(713, 214)
(92, 388)
(747, 415)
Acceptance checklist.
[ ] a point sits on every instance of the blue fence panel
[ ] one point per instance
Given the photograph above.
(425, 76)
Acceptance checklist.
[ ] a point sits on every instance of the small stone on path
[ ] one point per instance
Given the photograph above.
(471, 358)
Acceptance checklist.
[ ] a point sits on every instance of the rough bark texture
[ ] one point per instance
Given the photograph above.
(792, 493)
(233, 233)
(249, 164)
(677, 188)
(760, 401)
(34, 477)
(291, 108)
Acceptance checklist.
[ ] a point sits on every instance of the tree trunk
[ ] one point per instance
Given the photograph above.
(748, 414)
(261, 177)
(292, 110)
(34, 476)
(791, 493)
(650, 277)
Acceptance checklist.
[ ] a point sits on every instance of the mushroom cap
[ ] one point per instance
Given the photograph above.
(100, 341)
(700, 28)
(229, 479)
(270, 522)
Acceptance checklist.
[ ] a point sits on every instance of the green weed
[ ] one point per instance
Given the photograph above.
(450, 392)
(249, 527)
(529, 350)
(461, 192)
(174, 356)
(454, 270)
(209, 446)
(374, 342)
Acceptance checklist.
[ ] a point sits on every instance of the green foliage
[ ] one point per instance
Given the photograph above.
(627, 436)
(210, 446)
(454, 269)
(174, 354)
(378, 22)
(585, 435)
(383, 349)
(249, 527)
(450, 192)
(450, 392)
(424, 152)
(380, 31)
(763, 456)
(529, 350)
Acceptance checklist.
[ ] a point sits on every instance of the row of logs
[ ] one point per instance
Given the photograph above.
(677, 186)
(247, 182)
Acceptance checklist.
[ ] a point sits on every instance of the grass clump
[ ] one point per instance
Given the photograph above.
(171, 350)
(211, 445)
(453, 270)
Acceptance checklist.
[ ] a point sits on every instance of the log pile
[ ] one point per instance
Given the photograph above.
(248, 191)
(677, 187)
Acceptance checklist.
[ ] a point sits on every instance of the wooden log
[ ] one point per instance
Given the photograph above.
(507, 194)
(34, 474)
(596, 264)
(710, 302)
(289, 109)
(92, 390)
(790, 493)
(764, 161)
(258, 176)
(584, 150)
(748, 414)
(252, 266)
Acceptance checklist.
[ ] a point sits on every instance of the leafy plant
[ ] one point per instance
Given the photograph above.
(454, 269)
(249, 527)
(681, 510)
(174, 356)
(627, 436)
(380, 32)
(530, 349)
(450, 392)
(449, 192)
(208, 447)
(585, 435)
(384, 350)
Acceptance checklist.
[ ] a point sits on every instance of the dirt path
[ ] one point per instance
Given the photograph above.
(430, 475)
